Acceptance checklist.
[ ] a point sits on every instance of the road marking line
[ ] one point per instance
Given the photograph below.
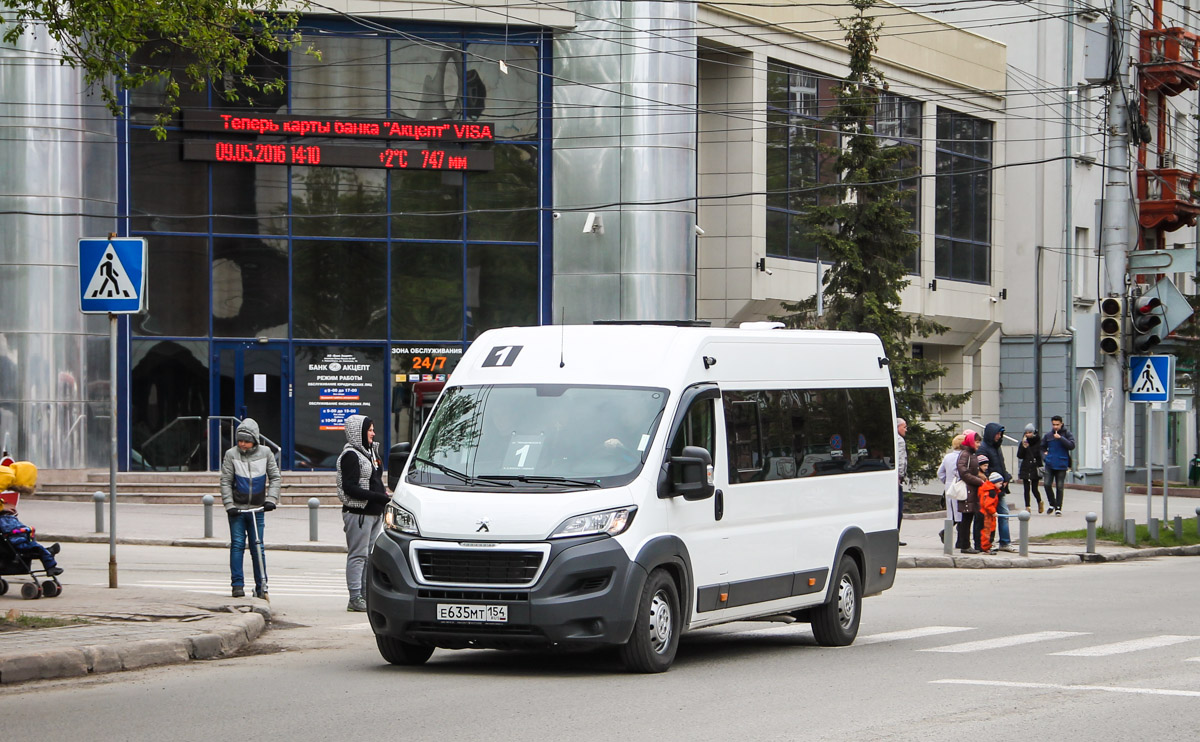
(1006, 641)
(892, 636)
(1055, 686)
(1133, 645)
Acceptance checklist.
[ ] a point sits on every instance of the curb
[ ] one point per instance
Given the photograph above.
(196, 542)
(66, 662)
(1056, 560)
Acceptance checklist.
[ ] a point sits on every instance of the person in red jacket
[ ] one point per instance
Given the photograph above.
(989, 499)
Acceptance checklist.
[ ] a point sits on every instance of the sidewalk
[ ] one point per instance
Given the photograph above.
(126, 629)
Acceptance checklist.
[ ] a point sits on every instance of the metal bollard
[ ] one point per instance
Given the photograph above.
(1023, 546)
(208, 503)
(313, 504)
(1152, 527)
(1131, 531)
(1091, 519)
(99, 497)
(948, 537)
(1178, 527)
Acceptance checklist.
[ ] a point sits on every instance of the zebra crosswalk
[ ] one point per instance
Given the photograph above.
(1051, 639)
(306, 586)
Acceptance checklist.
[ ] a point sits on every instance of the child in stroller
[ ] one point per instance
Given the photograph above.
(18, 548)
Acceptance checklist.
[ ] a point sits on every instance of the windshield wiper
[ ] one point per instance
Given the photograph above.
(528, 479)
(464, 478)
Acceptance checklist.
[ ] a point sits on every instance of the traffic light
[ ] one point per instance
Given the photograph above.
(1143, 319)
(1112, 315)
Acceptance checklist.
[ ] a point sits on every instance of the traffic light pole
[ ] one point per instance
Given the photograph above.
(1116, 240)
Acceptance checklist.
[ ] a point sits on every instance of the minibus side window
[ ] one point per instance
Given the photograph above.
(744, 436)
(697, 429)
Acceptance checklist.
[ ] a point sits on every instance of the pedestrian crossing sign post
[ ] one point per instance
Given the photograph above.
(112, 275)
(1151, 378)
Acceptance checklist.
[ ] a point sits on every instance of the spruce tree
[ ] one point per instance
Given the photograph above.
(861, 226)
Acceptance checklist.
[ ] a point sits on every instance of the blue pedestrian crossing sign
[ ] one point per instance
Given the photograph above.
(1151, 378)
(112, 275)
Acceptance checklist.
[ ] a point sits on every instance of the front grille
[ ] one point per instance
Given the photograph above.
(513, 630)
(471, 567)
(511, 597)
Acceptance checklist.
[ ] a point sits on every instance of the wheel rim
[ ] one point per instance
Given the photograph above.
(660, 622)
(846, 602)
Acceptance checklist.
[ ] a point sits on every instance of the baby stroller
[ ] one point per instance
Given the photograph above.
(14, 563)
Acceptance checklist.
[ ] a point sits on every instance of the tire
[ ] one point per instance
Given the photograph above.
(3, 586)
(402, 653)
(656, 626)
(30, 591)
(50, 589)
(835, 624)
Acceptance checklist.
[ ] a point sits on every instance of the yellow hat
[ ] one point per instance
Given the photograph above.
(24, 476)
(6, 477)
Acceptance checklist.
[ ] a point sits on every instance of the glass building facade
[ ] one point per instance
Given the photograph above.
(298, 294)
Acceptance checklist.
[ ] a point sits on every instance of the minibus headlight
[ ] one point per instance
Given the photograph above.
(611, 522)
(396, 518)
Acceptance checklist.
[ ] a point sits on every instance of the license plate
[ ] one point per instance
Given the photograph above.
(472, 613)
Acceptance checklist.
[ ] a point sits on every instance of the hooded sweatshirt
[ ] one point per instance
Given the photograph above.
(359, 473)
(249, 479)
(992, 450)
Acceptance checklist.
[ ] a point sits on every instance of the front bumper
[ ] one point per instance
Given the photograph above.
(586, 596)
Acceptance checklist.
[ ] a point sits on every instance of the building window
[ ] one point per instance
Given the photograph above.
(800, 165)
(962, 198)
(796, 164)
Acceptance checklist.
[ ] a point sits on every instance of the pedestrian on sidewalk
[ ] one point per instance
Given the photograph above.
(992, 447)
(967, 467)
(21, 479)
(901, 469)
(362, 492)
(250, 483)
(989, 496)
(1030, 468)
(1056, 453)
(955, 510)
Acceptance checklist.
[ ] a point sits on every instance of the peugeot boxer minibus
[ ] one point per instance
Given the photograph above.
(620, 484)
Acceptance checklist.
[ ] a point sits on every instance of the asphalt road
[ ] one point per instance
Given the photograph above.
(1091, 652)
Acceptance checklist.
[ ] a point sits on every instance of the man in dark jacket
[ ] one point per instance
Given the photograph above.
(1056, 452)
(250, 485)
(360, 488)
(993, 439)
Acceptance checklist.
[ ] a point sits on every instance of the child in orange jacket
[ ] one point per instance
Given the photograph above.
(989, 498)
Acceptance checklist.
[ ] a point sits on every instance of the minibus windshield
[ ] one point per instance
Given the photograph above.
(537, 437)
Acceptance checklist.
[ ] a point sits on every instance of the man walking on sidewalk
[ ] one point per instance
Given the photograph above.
(1056, 452)
(901, 469)
(250, 485)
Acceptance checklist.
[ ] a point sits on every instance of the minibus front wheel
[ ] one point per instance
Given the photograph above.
(402, 653)
(656, 627)
(835, 624)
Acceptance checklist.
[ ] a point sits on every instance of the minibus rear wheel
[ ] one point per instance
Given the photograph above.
(835, 624)
(655, 638)
(402, 653)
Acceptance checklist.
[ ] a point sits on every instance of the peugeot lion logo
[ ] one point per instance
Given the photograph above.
(483, 526)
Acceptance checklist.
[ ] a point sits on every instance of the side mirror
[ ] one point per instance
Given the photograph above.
(695, 472)
(397, 458)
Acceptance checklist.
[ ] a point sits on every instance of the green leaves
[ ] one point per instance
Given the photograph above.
(863, 227)
(218, 39)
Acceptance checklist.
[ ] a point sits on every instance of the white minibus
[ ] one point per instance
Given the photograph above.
(620, 484)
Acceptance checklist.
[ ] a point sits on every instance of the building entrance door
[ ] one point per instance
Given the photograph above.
(252, 381)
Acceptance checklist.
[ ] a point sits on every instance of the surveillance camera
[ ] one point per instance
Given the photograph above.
(592, 224)
(699, 231)
(994, 300)
(556, 215)
(769, 272)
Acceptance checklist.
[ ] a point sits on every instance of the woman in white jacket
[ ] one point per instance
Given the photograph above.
(947, 473)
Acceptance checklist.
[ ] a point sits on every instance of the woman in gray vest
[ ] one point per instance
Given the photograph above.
(360, 488)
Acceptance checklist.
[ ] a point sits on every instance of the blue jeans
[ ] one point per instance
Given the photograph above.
(240, 526)
(1002, 521)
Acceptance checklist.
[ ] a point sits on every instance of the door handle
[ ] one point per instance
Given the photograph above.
(719, 505)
